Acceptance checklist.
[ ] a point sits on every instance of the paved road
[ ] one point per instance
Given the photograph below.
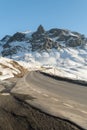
(16, 114)
(58, 98)
(64, 89)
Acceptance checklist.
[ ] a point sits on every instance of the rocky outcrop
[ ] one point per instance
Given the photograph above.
(40, 29)
(38, 34)
(10, 51)
(57, 32)
(74, 42)
(6, 38)
(44, 40)
(17, 37)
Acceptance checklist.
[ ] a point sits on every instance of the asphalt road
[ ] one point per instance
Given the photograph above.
(16, 113)
(74, 92)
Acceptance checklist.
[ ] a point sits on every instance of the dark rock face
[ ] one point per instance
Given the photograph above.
(40, 29)
(45, 44)
(6, 38)
(17, 37)
(74, 42)
(38, 34)
(11, 51)
(70, 39)
(44, 40)
(58, 32)
(6, 45)
(41, 40)
(54, 37)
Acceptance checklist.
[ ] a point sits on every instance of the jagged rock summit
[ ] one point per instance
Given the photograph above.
(40, 29)
(42, 40)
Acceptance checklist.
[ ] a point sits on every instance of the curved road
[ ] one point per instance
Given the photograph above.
(64, 89)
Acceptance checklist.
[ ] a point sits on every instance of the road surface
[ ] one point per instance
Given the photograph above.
(71, 91)
(26, 103)
(16, 114)
(57, 98)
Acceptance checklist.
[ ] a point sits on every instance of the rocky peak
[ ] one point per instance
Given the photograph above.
(44, 40)
(40, 29)
(38, 34)
(56, 37)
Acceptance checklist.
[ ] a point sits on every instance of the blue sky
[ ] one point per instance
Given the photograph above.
(21, 15)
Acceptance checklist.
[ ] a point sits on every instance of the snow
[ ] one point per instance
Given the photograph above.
(66, 62)
(7, 69)
(70, 33)
(55, 39)
(27, 33)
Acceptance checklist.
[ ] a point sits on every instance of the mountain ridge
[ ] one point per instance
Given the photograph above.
(43, 40)
(61, 49)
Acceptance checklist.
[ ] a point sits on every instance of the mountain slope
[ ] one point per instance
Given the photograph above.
(10, 68)
(64, 50)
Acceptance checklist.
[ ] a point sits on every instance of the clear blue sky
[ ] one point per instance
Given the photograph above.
(21, 15)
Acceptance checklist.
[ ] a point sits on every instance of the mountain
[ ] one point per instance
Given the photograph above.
(60, 48)
(42, 40)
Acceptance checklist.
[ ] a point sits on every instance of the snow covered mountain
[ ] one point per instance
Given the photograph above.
(62, 50)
